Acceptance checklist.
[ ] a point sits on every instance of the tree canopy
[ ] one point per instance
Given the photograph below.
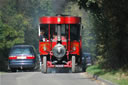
(19, 22)
(110, 28)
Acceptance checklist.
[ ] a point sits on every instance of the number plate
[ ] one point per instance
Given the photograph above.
(21, 57)
(59, 65)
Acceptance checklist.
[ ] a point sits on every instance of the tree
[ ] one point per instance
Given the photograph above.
(110, 22)
(19, 21)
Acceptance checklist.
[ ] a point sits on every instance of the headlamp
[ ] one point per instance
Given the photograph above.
(74, 48)
(44, 48)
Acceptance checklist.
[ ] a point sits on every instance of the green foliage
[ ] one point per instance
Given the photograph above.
(18, 22)
(95, 70)
(109, 22)
(115, 76)
(9, 37)
(123, 82)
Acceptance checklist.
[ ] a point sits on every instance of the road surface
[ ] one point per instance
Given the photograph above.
(38, 78)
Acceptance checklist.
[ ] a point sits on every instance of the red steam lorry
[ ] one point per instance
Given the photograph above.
(60, 42)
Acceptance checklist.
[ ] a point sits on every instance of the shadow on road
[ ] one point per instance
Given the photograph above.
(62, 70)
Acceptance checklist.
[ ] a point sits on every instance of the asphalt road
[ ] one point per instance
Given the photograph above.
(38, 78)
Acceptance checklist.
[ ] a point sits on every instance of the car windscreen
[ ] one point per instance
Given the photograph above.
(21, 50)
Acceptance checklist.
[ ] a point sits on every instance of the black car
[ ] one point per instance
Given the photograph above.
(86, 60)
(23, 57)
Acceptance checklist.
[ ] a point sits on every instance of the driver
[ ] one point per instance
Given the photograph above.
(42, 35)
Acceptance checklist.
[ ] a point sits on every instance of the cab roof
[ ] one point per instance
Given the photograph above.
(60, 20)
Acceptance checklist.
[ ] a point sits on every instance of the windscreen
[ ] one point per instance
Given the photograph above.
(44, 30)
(75, 32)
(22, 50)
(53, 30)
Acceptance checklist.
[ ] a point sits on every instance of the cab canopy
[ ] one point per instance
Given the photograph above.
(66, 26)
(60, 20)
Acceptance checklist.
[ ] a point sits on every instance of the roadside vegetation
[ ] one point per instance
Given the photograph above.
(2, 73)
(119, 77)
(110, 31)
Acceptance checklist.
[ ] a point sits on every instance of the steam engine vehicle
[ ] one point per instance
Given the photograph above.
(60, 41)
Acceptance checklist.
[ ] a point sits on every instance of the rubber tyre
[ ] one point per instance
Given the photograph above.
(73, 64)
(45, 64)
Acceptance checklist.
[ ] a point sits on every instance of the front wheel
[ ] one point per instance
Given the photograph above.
(44, 64)
(73, 63)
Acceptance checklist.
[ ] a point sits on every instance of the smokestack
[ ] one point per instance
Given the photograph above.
(58, 33)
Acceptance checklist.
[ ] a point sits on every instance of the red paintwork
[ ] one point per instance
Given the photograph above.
(50, 65)
(50, 45)
(72, 20)
(77, 46)
(67, 43)
(47, 45)
(69, 64)
(63, 20)
(69, 38)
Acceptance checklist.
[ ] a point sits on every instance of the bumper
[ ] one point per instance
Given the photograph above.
(21, 64)
(67, 65)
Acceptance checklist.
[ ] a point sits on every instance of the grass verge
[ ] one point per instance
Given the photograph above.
(2, 73)
(116, 76)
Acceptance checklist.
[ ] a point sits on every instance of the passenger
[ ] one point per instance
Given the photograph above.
(54, 35)
(42, 35)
